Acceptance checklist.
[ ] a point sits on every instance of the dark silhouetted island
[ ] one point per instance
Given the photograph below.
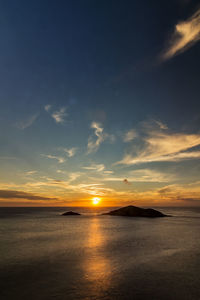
(71, 213)
(133, 211)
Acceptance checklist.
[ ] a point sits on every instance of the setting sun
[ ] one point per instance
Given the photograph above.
(96, 200)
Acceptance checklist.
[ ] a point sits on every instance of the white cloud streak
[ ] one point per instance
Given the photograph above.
(30, 173)
(100, 136)
(47, 107)
(95, 167)
(59, 115)
(185, 193)
(70, 151)
(130, 135)
(159, 146)
(161, 125)
(23, 124)
(144, 175)
(93, 144)
(58, 158)
(185, 35)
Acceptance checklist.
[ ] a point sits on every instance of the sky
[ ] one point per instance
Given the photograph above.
(99, 99)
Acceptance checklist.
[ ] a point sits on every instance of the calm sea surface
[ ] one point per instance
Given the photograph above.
(47, 256)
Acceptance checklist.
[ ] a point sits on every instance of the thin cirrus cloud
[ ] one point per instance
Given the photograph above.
(58, 115)
(130, 135)
(186, 192)
(60, 159)
(12, 194)
(161, 146)
(70, 151)
(28, 173)
(95, 167)
(23, 124)
(148, 175)
(47, 107)
(98, 138)
(185, 35)
(86, 188)
(143, 175)
(93, 144)
(73, 176)
(161, 125)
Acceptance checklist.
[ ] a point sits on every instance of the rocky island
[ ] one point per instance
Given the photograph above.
(133, 211)
(70, 213)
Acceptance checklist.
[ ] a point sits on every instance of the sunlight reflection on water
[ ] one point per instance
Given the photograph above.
(96, 266)
(45, 256)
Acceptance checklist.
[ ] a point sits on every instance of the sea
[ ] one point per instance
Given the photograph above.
(44, 255)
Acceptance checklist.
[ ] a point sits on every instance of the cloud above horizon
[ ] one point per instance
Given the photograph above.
(94, 142)
(186, 193)
(130, 135)
(185, 35)
(12, 194)
(142, 175)
(23, 124)
(59, 115)
(47, 107)
(95, 167)
(58, 158)
(70, 151)
(162, 146)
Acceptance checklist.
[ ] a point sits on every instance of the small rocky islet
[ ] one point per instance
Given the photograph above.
(127, 211)
(71, 213)
(134, 211)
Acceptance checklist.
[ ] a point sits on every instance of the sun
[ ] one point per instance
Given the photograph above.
(96, 200)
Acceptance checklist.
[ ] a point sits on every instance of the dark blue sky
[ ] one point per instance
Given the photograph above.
(74, 73)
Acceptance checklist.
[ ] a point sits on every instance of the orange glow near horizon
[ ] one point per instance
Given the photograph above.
(96, 200)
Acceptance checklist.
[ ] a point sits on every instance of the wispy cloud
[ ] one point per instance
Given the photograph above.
(23, 124)
(185, 35)
(161, 125)
(108, 172)
(95, 141)
(11, 194)
(30, 172)
(95, 189)
(185, 193)
(59, 115)
(81, 188)
(143, 175)
(47, 107)
(93, 144)
(162, 146)
(61, 171)
(70, 151)
(130, 135)
(73, 176)
(95, 167)
(58, 158)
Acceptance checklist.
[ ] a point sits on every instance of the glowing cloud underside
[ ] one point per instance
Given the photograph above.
(186, 34)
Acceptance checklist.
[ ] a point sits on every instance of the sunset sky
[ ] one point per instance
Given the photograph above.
(99, 99)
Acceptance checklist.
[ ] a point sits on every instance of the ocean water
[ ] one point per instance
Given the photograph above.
(44, 255)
